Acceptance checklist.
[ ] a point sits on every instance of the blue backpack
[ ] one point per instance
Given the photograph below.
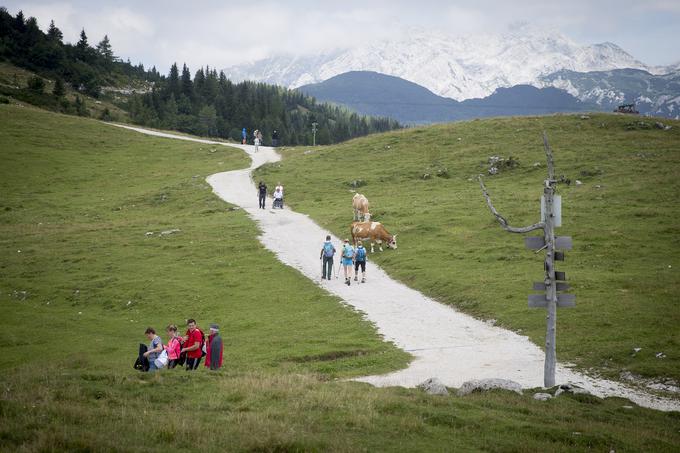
(328, 249)
(348, 252)
(361, 254)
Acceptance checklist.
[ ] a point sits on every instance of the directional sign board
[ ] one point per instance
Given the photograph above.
(563, 301)
(561, 286)
(538, 242)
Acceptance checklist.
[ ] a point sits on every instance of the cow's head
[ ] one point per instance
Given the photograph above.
(393, 242)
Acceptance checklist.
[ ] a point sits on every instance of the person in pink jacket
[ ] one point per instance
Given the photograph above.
(174, 346)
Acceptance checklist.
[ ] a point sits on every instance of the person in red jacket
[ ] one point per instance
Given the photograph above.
(193, 345)
(213, 354)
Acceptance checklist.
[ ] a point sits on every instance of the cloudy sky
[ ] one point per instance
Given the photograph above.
(223, 33)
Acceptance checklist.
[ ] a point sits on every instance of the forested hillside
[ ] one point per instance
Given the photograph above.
(206, 104)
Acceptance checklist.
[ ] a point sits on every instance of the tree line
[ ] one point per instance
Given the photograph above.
(206, 104)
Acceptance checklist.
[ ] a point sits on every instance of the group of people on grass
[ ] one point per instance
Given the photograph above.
(181, 351)
(277, 195)
(349, 256)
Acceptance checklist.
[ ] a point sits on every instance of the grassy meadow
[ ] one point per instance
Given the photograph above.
(84, 270)
(623, 219)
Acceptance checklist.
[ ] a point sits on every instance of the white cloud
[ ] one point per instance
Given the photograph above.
(222, 33)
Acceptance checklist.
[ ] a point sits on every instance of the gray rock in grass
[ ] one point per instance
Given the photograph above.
(542, 396)
(434, 386)
(489, 384)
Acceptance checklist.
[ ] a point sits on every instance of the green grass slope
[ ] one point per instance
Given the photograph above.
(81, 280)
(623, 220)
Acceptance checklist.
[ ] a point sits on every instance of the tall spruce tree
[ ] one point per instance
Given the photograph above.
(53, 33)
(104, 50)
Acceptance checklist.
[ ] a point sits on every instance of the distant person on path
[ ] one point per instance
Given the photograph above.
(347, 257)
(214, 348)
(275, 138)
(193, 343)
(155, 348)
(173, 347)
(259, 137)
(262, 194)
(256, 140)
(360, 261)
(327, 254)
(244, 136)
(278, 196)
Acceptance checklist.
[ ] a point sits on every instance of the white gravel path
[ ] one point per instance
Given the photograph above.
(446, 343)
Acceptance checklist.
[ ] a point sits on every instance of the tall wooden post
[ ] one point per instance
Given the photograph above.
(551, 299)
(550, 286)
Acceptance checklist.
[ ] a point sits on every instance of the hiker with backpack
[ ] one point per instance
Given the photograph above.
(327, 254)
(193, 345)
(213, 353)
(360, 261)
(347, 259)
(154, 350)
(174, 347)
(262, 193)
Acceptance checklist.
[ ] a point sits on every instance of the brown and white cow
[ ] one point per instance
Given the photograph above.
(373, 231)
(360, 205)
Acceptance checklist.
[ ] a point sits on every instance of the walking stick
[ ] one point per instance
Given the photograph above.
(336, 270)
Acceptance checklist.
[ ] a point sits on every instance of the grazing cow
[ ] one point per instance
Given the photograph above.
(373, 231)
(360, 205)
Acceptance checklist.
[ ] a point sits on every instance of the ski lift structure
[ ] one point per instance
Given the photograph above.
(627, 108)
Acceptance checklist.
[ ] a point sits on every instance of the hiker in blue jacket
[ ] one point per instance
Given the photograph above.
(327, 254)
(347, 259)
(360, 261)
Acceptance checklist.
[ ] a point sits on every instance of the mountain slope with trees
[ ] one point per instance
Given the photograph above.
(207, 104)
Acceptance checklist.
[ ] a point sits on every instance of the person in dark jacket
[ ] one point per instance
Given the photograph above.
(262, 193)
(214, 348)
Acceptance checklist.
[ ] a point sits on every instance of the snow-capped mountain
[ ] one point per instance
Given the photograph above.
(657, 95)
(455, 67)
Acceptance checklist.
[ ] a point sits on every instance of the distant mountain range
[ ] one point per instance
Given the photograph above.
(455, 67)
(599, 76)
(377, 94)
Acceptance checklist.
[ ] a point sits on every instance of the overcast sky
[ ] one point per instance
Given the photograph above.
(223, 33)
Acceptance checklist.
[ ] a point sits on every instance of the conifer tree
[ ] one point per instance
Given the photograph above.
(58, 89)
(187, 85)
(82, 43)
(105, 51)
(53, 33)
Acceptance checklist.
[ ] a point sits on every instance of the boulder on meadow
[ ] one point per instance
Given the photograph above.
(434, 386)
(542, 396)
(481, 385)
(570, 388)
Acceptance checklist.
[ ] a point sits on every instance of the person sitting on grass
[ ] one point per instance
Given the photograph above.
(174, 346)
(155, 348)
(193, 343)
(213, 354)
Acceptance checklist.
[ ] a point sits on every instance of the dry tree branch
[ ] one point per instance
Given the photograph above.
(549, 157)
(502, 220)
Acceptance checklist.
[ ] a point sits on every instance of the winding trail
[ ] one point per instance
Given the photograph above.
(446, 343)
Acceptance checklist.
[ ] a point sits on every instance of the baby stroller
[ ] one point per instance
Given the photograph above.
(278, 203)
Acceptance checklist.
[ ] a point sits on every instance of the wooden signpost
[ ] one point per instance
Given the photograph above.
(551, 217)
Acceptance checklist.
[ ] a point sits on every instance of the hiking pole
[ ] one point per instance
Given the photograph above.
(336, 270)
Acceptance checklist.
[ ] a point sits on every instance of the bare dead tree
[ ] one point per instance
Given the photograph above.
(550, 284)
